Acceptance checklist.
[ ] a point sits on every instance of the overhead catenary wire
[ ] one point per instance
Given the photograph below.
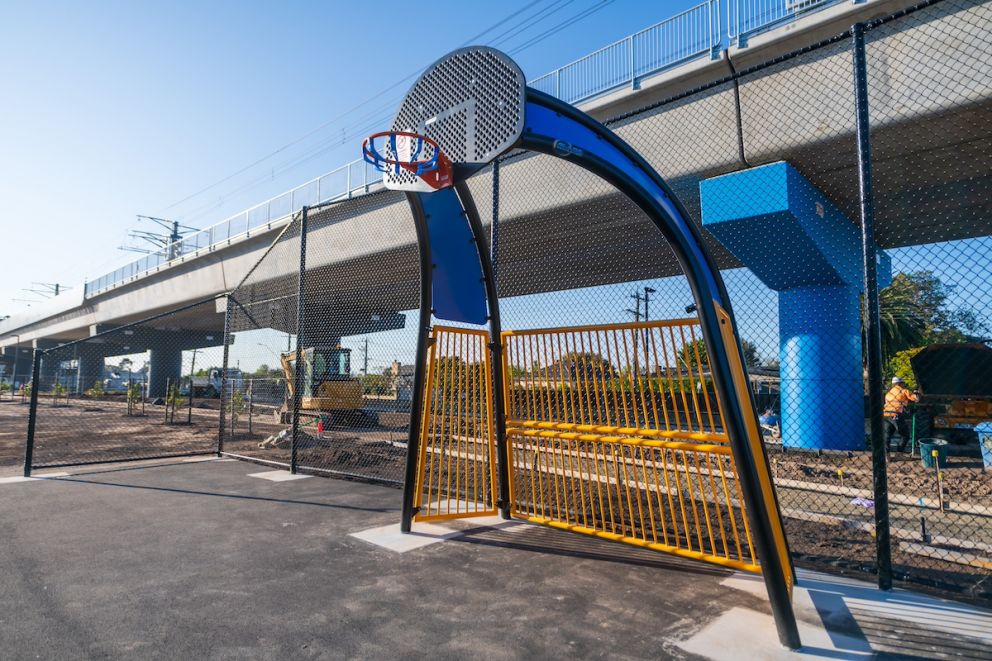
(362, 125)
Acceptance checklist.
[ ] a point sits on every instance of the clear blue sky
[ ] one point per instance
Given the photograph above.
(113, 109)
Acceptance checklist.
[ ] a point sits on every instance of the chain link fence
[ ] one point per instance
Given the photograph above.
(360, 281)
(144, 390)
(767, 163)
(308, 362)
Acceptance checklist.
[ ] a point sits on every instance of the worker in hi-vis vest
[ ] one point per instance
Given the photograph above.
(896, 410)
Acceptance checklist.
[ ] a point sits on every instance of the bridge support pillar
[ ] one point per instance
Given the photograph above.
(798, 244)
(90, 370)
(164, 365)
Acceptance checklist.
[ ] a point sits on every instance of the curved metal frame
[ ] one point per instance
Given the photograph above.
(555, 128)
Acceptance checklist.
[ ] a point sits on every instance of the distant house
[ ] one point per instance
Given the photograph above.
(401, 380)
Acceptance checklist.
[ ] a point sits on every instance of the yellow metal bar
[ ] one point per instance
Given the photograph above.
(705, 437)
(456, 515)
(706, 510)
(424, 431)
(724, 562)
(657, 367)
(660, 323)
(754, 440)
(622, 440)
(716, 506)
(702, 378)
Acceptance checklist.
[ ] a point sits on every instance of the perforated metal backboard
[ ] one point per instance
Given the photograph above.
(471, 102)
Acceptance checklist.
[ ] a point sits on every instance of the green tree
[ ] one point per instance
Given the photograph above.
(915, 311)
(900, 366)
(580, 364)
(687, 356)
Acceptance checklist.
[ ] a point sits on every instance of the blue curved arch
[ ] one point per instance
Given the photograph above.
(555, 128)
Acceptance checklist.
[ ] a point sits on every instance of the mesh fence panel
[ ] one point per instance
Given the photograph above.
(361, 289)
(144, 390)
(929, 81)
(357, 346)
(262, 312)
(784, 228)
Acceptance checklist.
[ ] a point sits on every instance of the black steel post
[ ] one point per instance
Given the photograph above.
(873, 336)
(223, 376)
(32, 414)
(420, 365)
(298, 370)
(192, 372)
(494, 228)
(495, 348)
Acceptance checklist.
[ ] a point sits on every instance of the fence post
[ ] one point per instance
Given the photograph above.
(223, 376)
(873, 337)
(32, 414)
(298, 370)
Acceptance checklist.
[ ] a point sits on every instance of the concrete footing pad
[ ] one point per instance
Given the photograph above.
(424, 534)
(278, 476)
(842, 618)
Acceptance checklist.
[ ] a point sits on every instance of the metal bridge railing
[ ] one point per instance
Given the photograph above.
(690, 35)
(748, 17)
(344, 181)
(671, 42)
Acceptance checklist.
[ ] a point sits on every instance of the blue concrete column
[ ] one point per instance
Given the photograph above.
(820, 363)
(799, 245)
(163, 365)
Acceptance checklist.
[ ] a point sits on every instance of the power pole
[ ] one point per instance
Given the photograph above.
(365, 365)
(647, 295)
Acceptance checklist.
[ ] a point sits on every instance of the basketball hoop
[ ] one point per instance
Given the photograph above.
(408, 161)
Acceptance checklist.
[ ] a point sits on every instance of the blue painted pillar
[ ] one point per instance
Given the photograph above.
(799, 245)
(820, 363)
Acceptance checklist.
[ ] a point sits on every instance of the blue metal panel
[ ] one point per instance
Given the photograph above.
(458, 286)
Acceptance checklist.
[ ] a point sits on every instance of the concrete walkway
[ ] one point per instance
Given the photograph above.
(201, 560)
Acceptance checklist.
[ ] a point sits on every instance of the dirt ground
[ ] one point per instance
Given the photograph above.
(13, 431)
(964, 479)
(86, 430)
(377, 453)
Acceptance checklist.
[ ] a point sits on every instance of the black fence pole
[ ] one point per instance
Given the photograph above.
(298, 369)
(223, 376)
(495, 341)
(420, 364)
(873, 337)
(32, 414)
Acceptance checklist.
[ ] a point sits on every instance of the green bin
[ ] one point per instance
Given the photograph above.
(927, 446)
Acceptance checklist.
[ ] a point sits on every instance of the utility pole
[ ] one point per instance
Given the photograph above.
(647, 296)
(365, 365)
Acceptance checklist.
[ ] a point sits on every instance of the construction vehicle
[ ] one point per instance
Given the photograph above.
(955, 388)
(330, 393)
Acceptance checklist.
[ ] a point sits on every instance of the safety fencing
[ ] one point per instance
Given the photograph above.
(615, 431)
(143, 390)
(769, 163)
(456, 475)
